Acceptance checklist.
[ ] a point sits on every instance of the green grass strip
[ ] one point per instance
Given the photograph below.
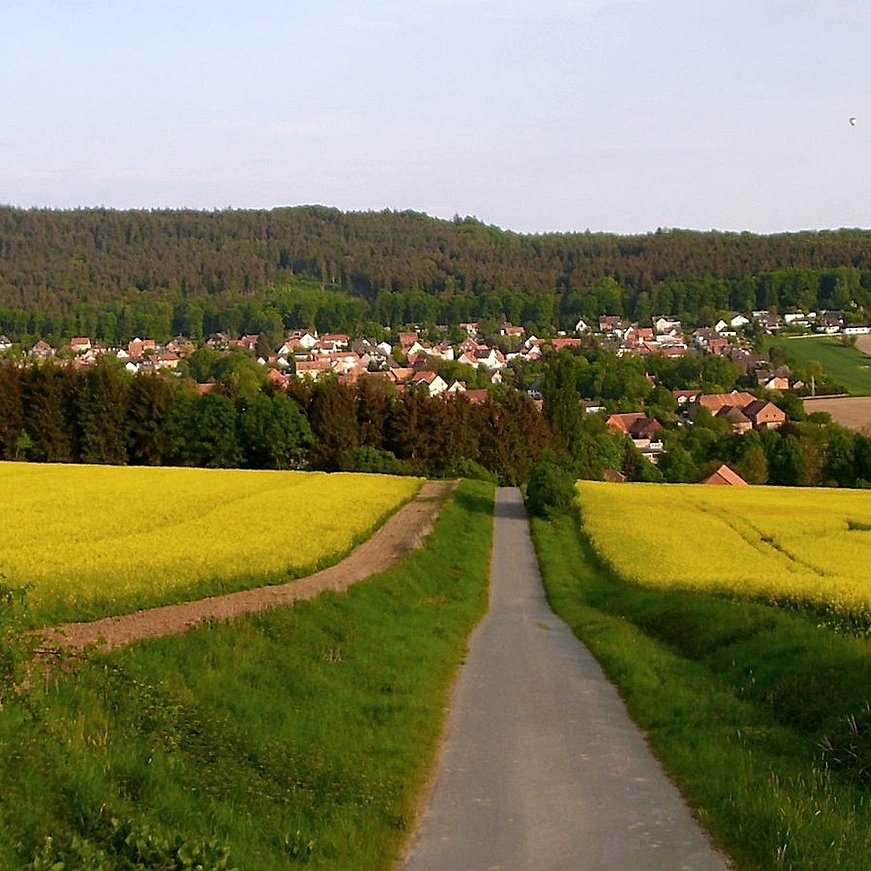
(300, 736)
(751, 710)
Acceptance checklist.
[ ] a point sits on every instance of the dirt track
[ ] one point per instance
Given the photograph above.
(403, 532)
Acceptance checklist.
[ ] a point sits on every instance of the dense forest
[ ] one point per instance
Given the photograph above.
(115, 274)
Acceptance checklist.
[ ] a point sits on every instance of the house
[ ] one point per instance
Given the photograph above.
(770, 323)
(5, 344)
(771, 381)
(715, 401)
(139, 347)
(306, 340)
(80, 344)
(218, 342)
(761, 413)
(246, 343)
(764, 414)
(739, 423)
(313, 368)
(489, 358)
(830, 323)
(796, 317)
(643, 430)
(42, 350)
(278, 378)
(737, 320)
(635, 424)
(856, 330)
(339, 341)
(684, 397)
(433, 382)
(666, 324)
(406, 340)
(727, 476)
(582, 326)
(181, 345)
(511, 331)
(166, 359)
(703, 336)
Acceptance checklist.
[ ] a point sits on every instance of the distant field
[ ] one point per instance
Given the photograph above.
(783, 545)
(93, 540)
(842, 363)
(851, 411)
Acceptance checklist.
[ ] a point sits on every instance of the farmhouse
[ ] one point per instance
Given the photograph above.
(738, 408)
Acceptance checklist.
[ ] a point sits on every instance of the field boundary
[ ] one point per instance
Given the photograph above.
(403, 532)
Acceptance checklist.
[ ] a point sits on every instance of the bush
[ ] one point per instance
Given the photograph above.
(551, 488)
(460, 467)
(369, 459)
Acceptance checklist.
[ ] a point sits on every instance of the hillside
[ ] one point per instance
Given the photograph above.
(115, 272)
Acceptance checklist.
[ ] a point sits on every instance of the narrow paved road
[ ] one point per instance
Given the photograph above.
(541, 766)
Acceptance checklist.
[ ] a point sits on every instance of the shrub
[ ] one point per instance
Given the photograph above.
(551, 488)
(369, 459)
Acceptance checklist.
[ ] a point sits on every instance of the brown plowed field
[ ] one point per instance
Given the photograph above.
(403, 532)
(851, 411)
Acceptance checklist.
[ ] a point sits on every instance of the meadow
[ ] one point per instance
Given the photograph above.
(303, 735)
(95, 540)
(843, 364)
(759, 713)
(800, 547)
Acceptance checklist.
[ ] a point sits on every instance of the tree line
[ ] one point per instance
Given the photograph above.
(102, 414)
(115, 274)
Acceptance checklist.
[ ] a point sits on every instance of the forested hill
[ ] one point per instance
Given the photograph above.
(74, 264)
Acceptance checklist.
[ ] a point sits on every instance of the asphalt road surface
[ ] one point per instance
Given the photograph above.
(541, 766)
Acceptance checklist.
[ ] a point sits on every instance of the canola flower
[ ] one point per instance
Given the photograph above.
(80, 535)
(805, 546)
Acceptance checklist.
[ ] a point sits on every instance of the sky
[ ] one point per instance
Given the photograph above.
(534, 115)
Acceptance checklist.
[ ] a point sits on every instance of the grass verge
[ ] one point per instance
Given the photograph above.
(760, 716)
(300, 736)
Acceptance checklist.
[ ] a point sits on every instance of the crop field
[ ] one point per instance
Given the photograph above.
(94, 540)
(845, 364)
(850, 411)
(805, 547)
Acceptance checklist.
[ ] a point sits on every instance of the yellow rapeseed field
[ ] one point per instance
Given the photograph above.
(783, 544)
(100, 538)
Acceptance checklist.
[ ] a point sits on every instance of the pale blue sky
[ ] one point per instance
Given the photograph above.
(618, 115)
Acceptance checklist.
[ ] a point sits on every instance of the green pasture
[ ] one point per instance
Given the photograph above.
(843, 364)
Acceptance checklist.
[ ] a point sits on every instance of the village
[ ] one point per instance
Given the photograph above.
(412, 362)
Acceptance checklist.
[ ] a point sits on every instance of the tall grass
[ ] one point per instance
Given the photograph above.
(302, 735)
(759, 715)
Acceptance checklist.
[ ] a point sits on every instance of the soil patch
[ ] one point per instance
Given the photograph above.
(404, 532)
(850, 411)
